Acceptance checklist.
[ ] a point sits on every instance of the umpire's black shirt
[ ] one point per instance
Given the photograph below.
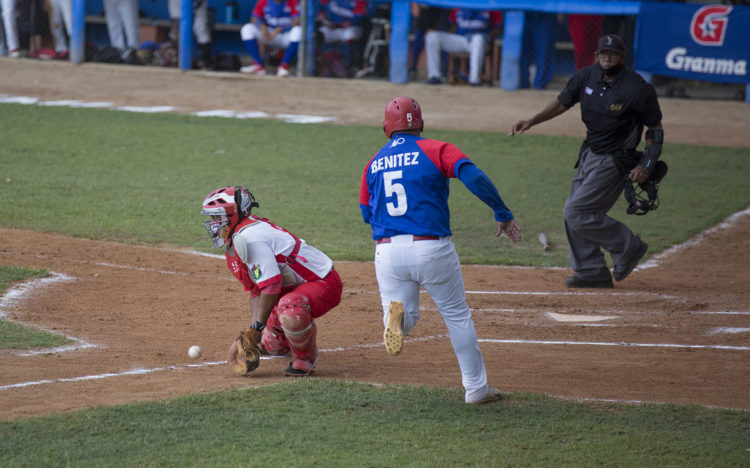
(615, 112)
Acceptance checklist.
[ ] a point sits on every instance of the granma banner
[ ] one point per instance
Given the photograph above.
(695, 42)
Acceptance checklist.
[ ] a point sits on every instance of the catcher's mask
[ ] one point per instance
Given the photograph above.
(402, 113)
(644, 197)
(226, 207)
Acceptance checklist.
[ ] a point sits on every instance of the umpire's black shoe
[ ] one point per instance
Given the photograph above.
(622, 271)
(576, 282)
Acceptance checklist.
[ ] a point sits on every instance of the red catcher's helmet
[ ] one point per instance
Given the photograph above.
(402, 113)
(226, 206)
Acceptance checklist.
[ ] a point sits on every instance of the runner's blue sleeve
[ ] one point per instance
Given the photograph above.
(366, 213)
(480, 185)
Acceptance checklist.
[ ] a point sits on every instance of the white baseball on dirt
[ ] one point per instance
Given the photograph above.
(194, 352)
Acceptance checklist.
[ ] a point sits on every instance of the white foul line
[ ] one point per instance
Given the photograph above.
(288, 118)
(619, 343)
(372, 345)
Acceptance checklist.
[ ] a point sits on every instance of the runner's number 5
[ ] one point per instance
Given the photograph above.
(397, 189)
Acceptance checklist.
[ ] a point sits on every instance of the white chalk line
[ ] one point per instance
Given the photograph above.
(720, 312)
(727, 330)
(572, 293)
(287, 118)
(727, 223)
(142, 371)
(106, 264)
(619, 343)
(16, 294)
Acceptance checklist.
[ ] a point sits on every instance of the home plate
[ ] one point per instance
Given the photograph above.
(579, 318)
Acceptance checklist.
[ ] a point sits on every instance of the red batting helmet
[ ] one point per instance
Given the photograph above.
(226, 206)
(402, 113)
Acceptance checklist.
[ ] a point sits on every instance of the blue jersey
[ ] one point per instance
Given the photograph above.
(276, 14)
(344, 11)
(404, 187)
(469, 21)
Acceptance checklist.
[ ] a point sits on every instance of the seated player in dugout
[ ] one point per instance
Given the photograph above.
(340, 30)
(291, 283)
(274, 23)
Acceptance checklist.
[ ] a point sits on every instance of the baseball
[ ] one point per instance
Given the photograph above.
(194, 352)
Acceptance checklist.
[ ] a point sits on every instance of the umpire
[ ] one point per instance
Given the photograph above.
(616, 103)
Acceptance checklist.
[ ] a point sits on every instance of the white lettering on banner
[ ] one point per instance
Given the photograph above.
(677, 59)
(394, 160)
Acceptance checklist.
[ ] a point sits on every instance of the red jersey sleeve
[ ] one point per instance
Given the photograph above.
(360, 8)
(444, 155)
(364, 191)
(293, 8)
(258, 10)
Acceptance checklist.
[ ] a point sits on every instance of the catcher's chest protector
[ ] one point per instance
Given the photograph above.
(239, 269)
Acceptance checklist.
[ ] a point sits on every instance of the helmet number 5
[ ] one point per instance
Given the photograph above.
(394, 188)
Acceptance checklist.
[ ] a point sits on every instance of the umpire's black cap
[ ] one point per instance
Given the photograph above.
(611, 42)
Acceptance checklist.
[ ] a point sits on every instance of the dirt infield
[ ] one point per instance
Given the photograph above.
(677, 332)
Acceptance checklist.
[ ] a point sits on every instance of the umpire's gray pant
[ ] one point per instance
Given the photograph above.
(594, 190)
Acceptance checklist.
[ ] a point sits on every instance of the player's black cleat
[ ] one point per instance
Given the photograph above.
(576, 282)
(622, 272)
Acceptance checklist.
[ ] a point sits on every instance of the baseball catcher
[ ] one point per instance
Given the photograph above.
(290, 282)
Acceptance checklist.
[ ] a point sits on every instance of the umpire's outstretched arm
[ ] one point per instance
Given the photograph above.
(552, 110)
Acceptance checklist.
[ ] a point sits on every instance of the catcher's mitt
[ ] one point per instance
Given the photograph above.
(244, 354)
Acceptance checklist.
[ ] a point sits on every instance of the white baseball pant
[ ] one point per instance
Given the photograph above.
(10, 28)
(122, 23)
(349, 33)
(62, 13)
(437, 41)
(282, 40)
(402, 266)
(200, 20)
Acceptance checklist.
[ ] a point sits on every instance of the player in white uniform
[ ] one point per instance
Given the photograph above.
(290, 282)
(472, 31)
(8, 29)
(122, 23)
(404, 197)
(201, 28)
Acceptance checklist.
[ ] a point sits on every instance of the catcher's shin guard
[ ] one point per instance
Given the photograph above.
(274, 341)
(393, 336)
(300, 330)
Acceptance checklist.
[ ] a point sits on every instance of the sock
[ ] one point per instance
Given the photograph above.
(290, 54)
(252, 49)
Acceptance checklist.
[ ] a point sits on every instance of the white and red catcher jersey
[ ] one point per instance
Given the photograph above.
(263, 253)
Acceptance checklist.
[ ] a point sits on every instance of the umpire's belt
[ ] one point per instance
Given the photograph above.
(387, 240)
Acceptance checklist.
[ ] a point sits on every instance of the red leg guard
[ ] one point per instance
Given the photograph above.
(300, 330)
(274, 341)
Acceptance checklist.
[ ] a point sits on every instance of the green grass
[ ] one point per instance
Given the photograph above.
(13, 335)
(140, 178)
(298, 423)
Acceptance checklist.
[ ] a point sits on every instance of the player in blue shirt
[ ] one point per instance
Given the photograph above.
(404, 197)
(275, 23)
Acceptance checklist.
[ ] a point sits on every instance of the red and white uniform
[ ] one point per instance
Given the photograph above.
(278, 262)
